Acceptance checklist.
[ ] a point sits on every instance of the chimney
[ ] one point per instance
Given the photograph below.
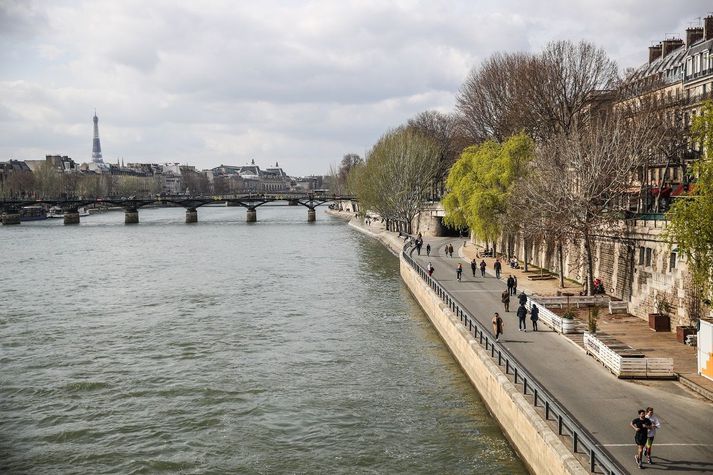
(708, 27)
(654, 53)
(671, 45)
(693, 35)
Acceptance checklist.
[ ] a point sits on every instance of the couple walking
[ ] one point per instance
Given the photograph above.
(644, 431)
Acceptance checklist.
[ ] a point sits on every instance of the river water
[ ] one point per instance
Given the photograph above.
(225, 347)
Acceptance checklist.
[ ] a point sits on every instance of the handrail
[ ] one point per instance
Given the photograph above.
(581, 437)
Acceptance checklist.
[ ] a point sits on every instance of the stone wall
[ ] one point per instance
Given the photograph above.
(627, 274)
(539, 447)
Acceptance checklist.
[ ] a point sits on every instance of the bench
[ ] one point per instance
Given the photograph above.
(618, 307)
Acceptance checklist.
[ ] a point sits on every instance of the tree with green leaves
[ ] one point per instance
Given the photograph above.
(690, 225)
(397, 176)
(480, 185)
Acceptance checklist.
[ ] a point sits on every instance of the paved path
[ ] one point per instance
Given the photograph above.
(602, 403)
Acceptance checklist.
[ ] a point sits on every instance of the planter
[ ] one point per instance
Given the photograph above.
(568, 325)
(659, 322)
(683, 332)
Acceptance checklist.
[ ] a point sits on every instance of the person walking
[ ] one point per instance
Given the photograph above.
(450, 249)
(419, 243)
(497, 266)
(510, 283)
(505, 299)
(429, 268)
(641, 426)
(514, 285)
(522, 298)
(655, 424)
(473, 266)
(482, 268)
(521, 315)
(459, 272)
(428, 250)
(497, 326)
(534, 316)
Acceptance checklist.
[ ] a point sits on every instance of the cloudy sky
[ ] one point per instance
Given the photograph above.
(295, 82)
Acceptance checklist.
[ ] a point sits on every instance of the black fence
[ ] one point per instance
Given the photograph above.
(582, 442)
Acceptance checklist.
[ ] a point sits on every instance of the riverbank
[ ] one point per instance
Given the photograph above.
(539, 446)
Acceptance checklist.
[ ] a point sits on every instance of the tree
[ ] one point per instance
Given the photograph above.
(690, 225)
(559, 84)
(441, 129)
(489, 103)
(396, 178)
(481, 182)
(580, 178)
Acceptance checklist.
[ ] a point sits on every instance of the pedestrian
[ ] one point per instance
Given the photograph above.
(641, 427)
(522, 298)
(428, 250)
(497, 326)
(429, 268)
(473, 266)
(514, 285)
(498, 266)
(655, 424)
(419, 243)
(482, 268)
(505, 299)
(510, 283)
(521, 314)
(450, 249)
(459, 272)
(534, 316)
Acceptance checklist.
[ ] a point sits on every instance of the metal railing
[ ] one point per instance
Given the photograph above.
(582, 440)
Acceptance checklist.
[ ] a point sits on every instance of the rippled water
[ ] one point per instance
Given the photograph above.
(225, 347)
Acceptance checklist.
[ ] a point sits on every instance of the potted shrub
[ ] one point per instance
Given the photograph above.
(660, 321)
(568, 320)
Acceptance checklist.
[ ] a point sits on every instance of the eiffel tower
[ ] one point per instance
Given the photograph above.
(96, 145)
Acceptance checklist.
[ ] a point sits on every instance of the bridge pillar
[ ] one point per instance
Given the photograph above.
(311, 215)
(11, 218)
(191, 215)
(252, 215)
(131, 216)
(71, 217)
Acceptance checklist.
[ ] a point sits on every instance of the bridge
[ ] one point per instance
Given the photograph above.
(10, 209)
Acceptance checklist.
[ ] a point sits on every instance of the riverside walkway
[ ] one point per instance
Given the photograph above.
(603, 404)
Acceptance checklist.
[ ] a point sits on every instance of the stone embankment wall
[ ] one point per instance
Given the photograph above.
(540, 448)
(637, 266)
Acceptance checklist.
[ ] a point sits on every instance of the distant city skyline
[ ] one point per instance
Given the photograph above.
(301, 83)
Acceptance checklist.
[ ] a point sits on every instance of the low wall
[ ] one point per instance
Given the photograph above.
(540, 448)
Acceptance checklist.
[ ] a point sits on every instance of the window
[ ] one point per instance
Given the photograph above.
(641, 255)
(672, 261)
(648, 257)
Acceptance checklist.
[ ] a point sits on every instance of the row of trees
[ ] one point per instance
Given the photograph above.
(534, 148)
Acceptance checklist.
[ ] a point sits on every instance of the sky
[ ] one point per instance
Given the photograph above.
(299, 83)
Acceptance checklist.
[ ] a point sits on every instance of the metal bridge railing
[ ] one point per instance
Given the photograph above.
(582, 441)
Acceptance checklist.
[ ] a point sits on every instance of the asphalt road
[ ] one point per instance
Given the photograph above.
(602, 403)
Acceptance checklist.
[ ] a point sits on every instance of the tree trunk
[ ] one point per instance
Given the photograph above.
(527, 254)
(590, 263)
(560, 258)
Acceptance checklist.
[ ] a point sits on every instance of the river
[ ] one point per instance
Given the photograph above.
(225, 347)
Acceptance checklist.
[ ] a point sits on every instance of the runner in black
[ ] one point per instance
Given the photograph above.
(641, 425)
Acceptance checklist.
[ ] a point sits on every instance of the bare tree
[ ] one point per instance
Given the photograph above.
(559, 84)
(488, 103)
(579, 179)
